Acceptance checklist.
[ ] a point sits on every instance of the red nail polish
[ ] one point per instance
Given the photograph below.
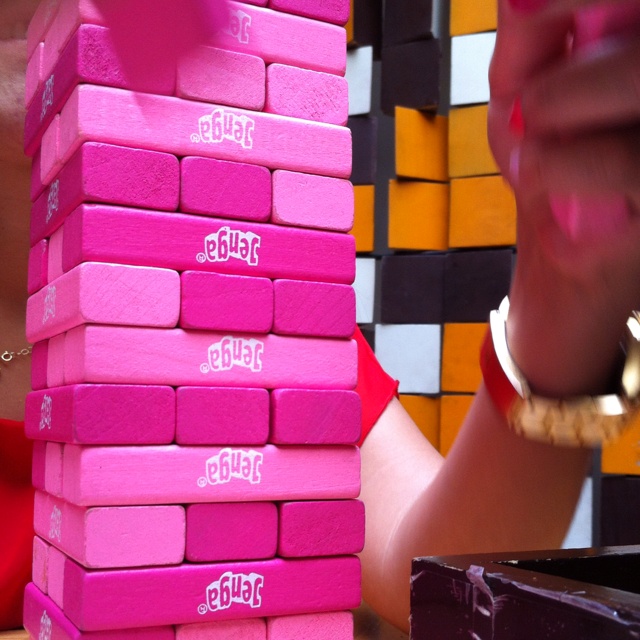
(516, 120)
(527, 6)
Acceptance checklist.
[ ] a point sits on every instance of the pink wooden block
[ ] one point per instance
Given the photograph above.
(336, 11)
(225, 189)
(257, 3)
(106, 476)
(33, 76)
(110, 537)
(55, 361)
(304, 200)
(310, 95)
(231, 531)
(222, 416)
(304, 416)
(111, 174)
(133, 355)
(99, 293)
(43, 619)
(128, 118)
(314, 309)
(97, 600)
(182, 242)
(39, 365)
(39, 465)
(56, 568)
(102, 414)
(221, 302)
(38, 266)
(36, 187)
(322, 528)
(50, 159)
(39, 569)
(222, 77)
(312, 626)
(244, 629)
(283, 38)
(53, 468)
(54, 255)
(40, 23)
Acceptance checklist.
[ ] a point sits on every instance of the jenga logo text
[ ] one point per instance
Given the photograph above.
(234, 588)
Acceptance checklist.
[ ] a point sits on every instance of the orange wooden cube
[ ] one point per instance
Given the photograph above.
(623, 455)
(349, 25)
(469, 151)
(473, 17)
(460, 371)
(421, 145)
(483, 213)
(453, 410)
(425, 412)
(418, 215)
(362, 230)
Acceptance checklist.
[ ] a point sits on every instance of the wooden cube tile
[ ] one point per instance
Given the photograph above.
(469, 151)
(364, 286)
(623, 455)
(473, 17)
(407, 21)
(364, 132)
(363, 223)
(461, 357)
(359, 76)
(619, 510)
(453, 409)
(470, 58)
(425, 412)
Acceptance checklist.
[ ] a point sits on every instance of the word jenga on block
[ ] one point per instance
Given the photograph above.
(191, 306)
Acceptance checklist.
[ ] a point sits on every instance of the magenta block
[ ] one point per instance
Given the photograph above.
(310, 95)
(312, 626)
(45, 619)
(36, 182)
(57, 562)
(111, 174)
(182, 242)
(96, 600)
(38, 266)
(40, 23)
(336, 11)
(319, 416)
(305, 200)
(225, 189)
(54, 255)
(322, 528)
(222, 415)
(135, 119)
(222, 77)
(221, 302)
(231, 531)
(102, 414)
(55, 361)
(314, 309)
(39, 465)
(243, 629)
(39, 365)
(116, 476)
(53, 468)
(110, 537)
(40, 568)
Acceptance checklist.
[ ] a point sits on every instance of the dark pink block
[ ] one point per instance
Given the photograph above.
(102, 414)
(44, 619)
(328, 528)
(94, 56)
(225, 189)
(336, 11)
(39, 365)
(96, 600)
(40, 23)
(36, 181)
(39, 464)
(231, 531)
(314, 309)
(222, 415)
(221, 302)
(182, 242)
(315, 416)
(38, 266)
(107, 173)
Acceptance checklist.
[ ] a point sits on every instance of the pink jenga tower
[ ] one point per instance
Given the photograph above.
(192, 313)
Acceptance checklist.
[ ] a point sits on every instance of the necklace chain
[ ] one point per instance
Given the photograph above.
(8, 356)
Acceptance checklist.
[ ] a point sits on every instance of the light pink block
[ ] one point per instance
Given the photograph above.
(50, 160)
(222, 77)
(55, 361)
(225, 189)
(38, 266)
(314, 309)
(221, 302)
(231, 531)
(304, 200)
(39, 365)
(40, 23)
(39, 568)
(53, 468)
(310, 95)
(110, 537)
(183, 243)
(304, 416)
(312, 626)
(133, 355)
(321, 528)
(54, 255)
(336, 11)
(97, 600)
(44, 619)
(39, 465)
(107, 476)
(33, 76)
(56, 569)
(222, 416)
(111, 174)
(244, 629)
(102, 414)
(141, 120)
(99, 293)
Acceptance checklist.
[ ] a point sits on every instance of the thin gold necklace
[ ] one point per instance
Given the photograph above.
(7, 356)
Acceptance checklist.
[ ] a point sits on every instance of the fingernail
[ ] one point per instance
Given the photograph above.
(516, 120)
(527, 6)
(514, 166)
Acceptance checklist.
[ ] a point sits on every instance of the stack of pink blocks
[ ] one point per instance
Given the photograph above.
(191, 306)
